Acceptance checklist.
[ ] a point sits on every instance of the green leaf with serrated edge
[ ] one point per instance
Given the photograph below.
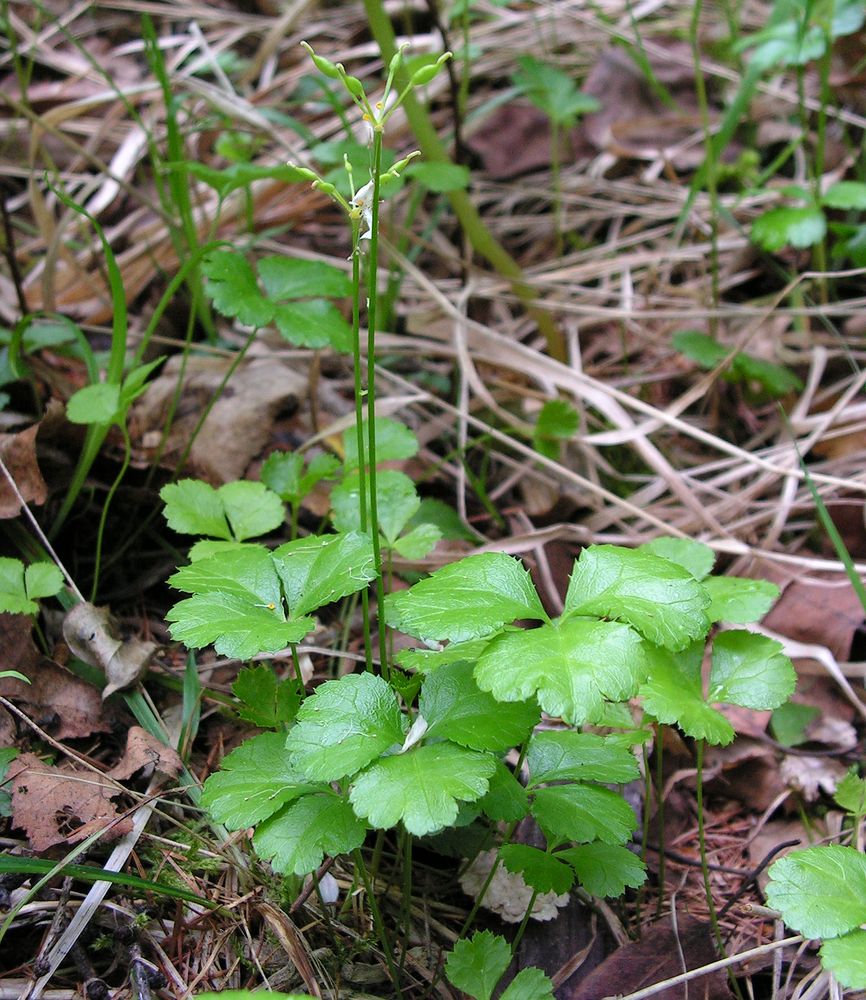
(251, 508)
(694, 556)
(700, 347)
(556, 419)
(583, 813)
(417, 543)
(204, 548)
(662, 600)
(476, 965)
(444, 517)
(193, 507)
(750, 670)
(851, 793)
(292, 278)
(421, 787)
(343, 726)
(845, 195)
(318, 570)
(530, 983)
(789, 722)
(397, 500)
(232, 287)
(297, 838)
(787, 226)
(820, 891)
(94, 404)
(265, 701)
(313, 324)
(540, 870)
(505, 800)
(572, 667)
(247, 573)
(13, 597)
(566, 755)
(42, 579)
(845, 957)
(236, 627)
(552, 90)
(673, 694)
(738, 599)
(253, 781)
(394, 442)
(774, 379)
(281, 472)
(466, 600)
(456, 709)
(440, 177)
(605, 869)
(427, 660)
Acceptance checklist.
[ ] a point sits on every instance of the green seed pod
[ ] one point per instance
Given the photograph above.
(326, 187)
(423, 76)
(354, 86)
(305, 172)
(323, 65)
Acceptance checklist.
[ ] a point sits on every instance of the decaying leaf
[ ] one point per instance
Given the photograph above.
(239, 424)
(812, 775)
(18, 452)
(55, 699)
(61, 805)
(145, 751)
(91, 634)
(508, 895)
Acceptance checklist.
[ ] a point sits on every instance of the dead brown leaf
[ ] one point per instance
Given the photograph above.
(92, 635)
(61, 805)
(238, 426)
(144, 750)
(513, 140)
(661, 953)
(747, 771)
(55, 699)
(18, 452)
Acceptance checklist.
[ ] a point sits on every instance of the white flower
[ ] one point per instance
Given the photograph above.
(362, 202)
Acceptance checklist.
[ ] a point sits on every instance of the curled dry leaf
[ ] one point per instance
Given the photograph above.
(812, 775)
(508, 895)
(91, 634)
(19, 456)
(55, 699)
(145, 751)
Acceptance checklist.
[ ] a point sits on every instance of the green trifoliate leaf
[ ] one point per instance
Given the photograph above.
(572, 667)
(552, 90)
(246, 572)
(320, 569)
(738, 599)
(421, 787)
(789, 723)
(236, 627)
(444, 517)
(775, 380)
(820, 891)
(265, 701)
(397, 501)
(750, 670)
(662, 600)
(427, 660)
(94, 404)
(298, 837)
(343, 726)
(694, 556)
(673, 694)
(417, 543)
(566, 755)
(845, 195)
(283, 472)
(605, 869)
(315, 323)
(13, 595)
(789, 227)
(583, 813)
(193, 507)
(845, 957)
(701, 348)
(394, 442)
(506, 799)
(851, 793)
(251, 508)
(476, 965)
(466, 600)
(42, 579)
(456, 709)
(232, 287)
(540, 870)
(557, 421)
(530, 983)
(240, 175)
(254, 781)
(292, 278)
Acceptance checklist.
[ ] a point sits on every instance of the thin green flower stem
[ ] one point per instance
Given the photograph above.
(296, 663)
(521, 930)
(127, 454)
(479, 899)
(660, 817)
(372, 300)
(376, 859)
(359, 425)
(645, 825)
(377, 919)
(705, 864)
(406, 914)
